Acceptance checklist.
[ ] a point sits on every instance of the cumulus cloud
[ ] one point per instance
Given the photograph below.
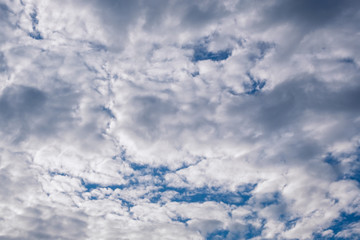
(160, 119)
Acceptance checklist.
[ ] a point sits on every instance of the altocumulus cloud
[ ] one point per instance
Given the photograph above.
(157, 119)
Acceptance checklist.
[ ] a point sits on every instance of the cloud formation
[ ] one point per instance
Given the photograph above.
(176, 119)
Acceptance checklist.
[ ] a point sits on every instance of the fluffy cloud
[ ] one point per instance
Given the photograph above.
(179, 119)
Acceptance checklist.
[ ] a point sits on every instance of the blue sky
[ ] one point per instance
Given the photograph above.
(156, 119)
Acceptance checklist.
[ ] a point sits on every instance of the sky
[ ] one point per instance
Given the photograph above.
(179, 119)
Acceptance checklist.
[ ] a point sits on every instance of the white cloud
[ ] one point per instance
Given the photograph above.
(149, 119)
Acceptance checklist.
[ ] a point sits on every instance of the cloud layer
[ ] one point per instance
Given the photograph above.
(161, 119)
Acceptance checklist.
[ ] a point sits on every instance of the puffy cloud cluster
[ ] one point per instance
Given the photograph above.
(159, 119)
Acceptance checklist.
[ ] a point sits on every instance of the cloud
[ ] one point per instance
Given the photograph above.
(27, 111)
(179, 120)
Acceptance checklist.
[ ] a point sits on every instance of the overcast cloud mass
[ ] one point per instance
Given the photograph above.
(179, 119)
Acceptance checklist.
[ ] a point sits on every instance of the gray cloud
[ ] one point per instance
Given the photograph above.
(29, 111)
(309, 14)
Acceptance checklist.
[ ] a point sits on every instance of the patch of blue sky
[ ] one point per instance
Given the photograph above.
(264, 47)
(354, 173)
(239, 231)
(157, 174)
(145, 169)
(108, 112)
(218, 235)
(122, 156)
(347, 60)
(228, 198)
(3, 64)
(291, 223)
(252, 232)
(35, 34)
(272, 198)
(205, 194)
(330, 159)
(33, 17)
(91, 186)
(342, 223)
(97, 46)
(142, 170)
(339, 172)
(94, 70)
(53, 173)
(181, 219)
(93, 198)
(200, 195)
(194, 74)
(201, 53)
(254, 85)
(186, 165)
(4, 7)
(127, 203)
(335, 165)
